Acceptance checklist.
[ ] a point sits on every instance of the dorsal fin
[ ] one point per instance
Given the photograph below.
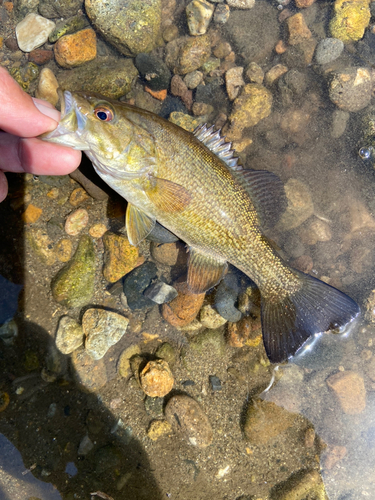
(217, 144)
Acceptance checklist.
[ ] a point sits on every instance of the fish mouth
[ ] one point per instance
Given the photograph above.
(71, 128)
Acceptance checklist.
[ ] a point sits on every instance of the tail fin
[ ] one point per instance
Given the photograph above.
(315, 308)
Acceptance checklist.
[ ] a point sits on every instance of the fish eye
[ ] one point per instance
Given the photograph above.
(364, 153)
(103, 114)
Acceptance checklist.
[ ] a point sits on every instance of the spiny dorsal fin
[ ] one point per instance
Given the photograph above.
(217, 144)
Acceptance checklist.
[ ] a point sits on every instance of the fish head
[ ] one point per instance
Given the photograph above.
(96, 125)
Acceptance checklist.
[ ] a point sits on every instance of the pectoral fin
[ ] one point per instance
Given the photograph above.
(138, 224)
(166, 195)
(204, 271)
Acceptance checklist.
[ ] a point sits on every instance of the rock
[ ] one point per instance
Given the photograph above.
(185, 121)
(63, 250)
(298, 30)
(199, 14)
(234, 81)
(303, 263)
(91, 375)
(154, 407)
(253, 105)
(350, 391)
(187, 54)
(339, 121)
(136, 282)
(85, 446)
(69, 335)
(254, 73)
(166, 352)
(210, 318)
(351, 89)
(47, 87)
(303, 4)
(170, 254)
(350, 20)
(160, 292)
(156, 378)
(179, 89)
(241, 4)
(193, 79)
(209, 342)
(153, 70)
(221, 14)
(120, 257)
(33, 31)
(186, 417)
(73, 286)
(309, 437)
(300, 205)
(225, 298)
(25, 75)
(123, 366)
(300, 486)
(264, 421)
(184, 308)
(215, 383)
(328, 50)
(42, 245)
(158, 428)
(292, 85)
(40, 56)
(247, 331)
(31, 214)
(210, 65)
(132, 27)
(68, 26)
(202, 109)
(103, 329)
(112, 78)
(78, 196)
(333, 456)
(317, 230)
(59, 8)
(76, 222)
(275, 73)
(98, 230)
(76, 49)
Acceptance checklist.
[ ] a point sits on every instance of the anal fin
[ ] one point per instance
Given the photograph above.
(204, 271)
(138, 224)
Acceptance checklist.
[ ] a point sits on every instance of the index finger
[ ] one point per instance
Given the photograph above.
(19, 115)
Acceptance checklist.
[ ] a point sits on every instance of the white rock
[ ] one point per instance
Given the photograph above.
(47, 87)
(33, 31)
(241, 4)
(234, 81)
(199, 14)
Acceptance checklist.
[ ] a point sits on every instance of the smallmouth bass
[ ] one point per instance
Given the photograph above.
(193, 186)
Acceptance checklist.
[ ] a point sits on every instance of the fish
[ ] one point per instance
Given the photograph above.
(194, 185)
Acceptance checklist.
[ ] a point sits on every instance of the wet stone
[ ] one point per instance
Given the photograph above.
(351, 88)
(31, 214)
(234, 81)
(225, 298)
(187, 417)
(103, 329)
(247, 331)
(59, 8)
(153, 70)
(47, 87)
(33, 31)
(42, 245)
(305, 484)
(68, 26)
(76, 49)
(120, 257)
(184, 308)
(328, 50)
(350, 20)
(298, 30)
(274, 74)
(91, 375)
(76, 222)
(73, 286)
(208, 341)
(221, 14)
(158, 428)
(199, 14)
(334, 455)
(167, 352)
(136, 282)
(339, 122)
(350, 391)
(40, 56)
(123, 366)
(69, 335)
(254, 73)
(300, 205)
(54, 180)
(210, 318)
(25, 75)
(241, 4)
(63, 250)
(215, 383)
(154, 406)
(193, 79)
(156, 378)
(85, 446)
(187, 54)
(160, 292)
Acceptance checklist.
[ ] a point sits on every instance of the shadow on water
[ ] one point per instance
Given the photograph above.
(49, 418)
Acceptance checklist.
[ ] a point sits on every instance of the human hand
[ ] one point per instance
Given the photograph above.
(22, 118)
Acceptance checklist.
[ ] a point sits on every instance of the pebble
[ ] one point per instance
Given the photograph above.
(186, 417)
(103, 329)
(225, 298)
(210, 318)
(120, 257)
(130, 27)
(40, 56)
(333, 456)
(199, 14)
(78, 196)
(160, 292)
(202, 109)
(59, 8)
(350, 391)
(254, 73)
(207, 343)
(298, 30)
(253, 105)
(136, 282)
(166, 352)
(247, 331)
(85, 446)
(42, 245)
(31, 214)
(222, 50)
(73, 286)
(328, 50)
(309, 437)
(187, 54)
(156, 378)
(25, 75)
(184, 308)
(53, 194)
(158, 428)
(351, 88)
(241, 4)
(76, 222)
(170, 33)
(98, 230)
(153, 70)
(123, 366)
(33, 31)
(234, 81)
(265, 421)
(274, 74)
(63, 250)
(215, 383)
(76, 49)
(169, 254)
(69, 335)
(179, 89)
(306, 484)
(193, 79)
(221, 14)
(340, 120)
(91, 375)
(8, 329)
(300, 205)
(350, 20)
(47, 87)
(187, 122)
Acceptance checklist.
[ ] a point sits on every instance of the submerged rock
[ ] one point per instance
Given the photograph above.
(156, 378)
(120, 257)
(68, 26)
(76, 49)
(350, 20)
(351, 89)
(300, 486)
(300, 205)
(328, 50)
(33, 31)
(59, 8)
(136, 282)
(184, 308)
(188, 53)
(91, 375)
(350, 391)
(47, 87)
(69, 335)
(153, 70)
(199, 14)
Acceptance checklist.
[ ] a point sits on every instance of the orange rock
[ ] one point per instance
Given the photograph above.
(302, 4)
(298, 30)
(247, 331)
(170, 254)
(120, 257)
(31, 214)
(78, 196)
(184, 308)
(8, 6)
(350, 390)
(280, 47)
(158, 94)
(156, 379)
(76, 49)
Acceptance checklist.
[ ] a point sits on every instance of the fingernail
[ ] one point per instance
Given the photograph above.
(51, 112)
